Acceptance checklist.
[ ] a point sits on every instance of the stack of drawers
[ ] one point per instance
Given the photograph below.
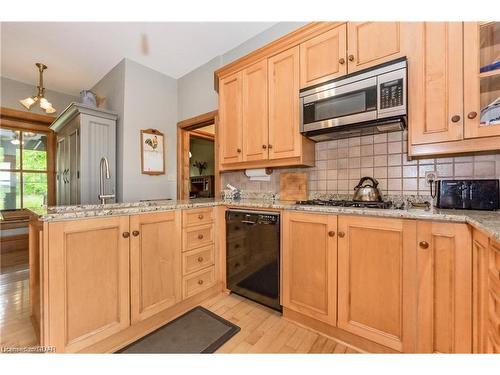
(198, 251)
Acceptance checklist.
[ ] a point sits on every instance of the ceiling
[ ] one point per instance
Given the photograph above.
(79, 54)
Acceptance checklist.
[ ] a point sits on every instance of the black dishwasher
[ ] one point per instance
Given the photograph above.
(253, 255)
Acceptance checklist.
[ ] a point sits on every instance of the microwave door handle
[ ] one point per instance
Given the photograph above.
(354, 86)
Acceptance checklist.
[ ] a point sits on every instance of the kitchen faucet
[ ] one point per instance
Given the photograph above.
(104, 173)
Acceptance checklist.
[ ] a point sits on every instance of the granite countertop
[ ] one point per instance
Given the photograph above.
(487, 221)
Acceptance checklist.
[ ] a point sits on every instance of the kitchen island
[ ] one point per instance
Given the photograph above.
(107, 275)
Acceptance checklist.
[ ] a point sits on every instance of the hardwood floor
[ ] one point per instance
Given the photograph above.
(262, 330)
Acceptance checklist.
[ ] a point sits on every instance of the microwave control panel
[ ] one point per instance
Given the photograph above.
(391, 94)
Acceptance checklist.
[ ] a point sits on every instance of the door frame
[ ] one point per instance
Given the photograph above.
(186, 129)
(22, 120)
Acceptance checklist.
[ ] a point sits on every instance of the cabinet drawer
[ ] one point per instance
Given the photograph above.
(195, 237)
(197, 282)
(197, 216)
(197, 259)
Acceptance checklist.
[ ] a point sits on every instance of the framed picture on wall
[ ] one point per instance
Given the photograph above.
(152, 152)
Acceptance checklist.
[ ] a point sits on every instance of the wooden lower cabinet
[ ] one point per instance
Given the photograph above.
(444, 288)
(493, 321)
(88, 282)
(377, 280)
(479, 291)
(155, 263)
(309, 265)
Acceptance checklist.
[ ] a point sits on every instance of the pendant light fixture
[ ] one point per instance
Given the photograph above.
(44, 103)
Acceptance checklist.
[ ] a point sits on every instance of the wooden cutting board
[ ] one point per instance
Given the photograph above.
(293, 186)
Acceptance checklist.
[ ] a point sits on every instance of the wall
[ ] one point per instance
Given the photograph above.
(112, 87)
(11, 91)
(196, 89)
(340, 164)
(201, 150)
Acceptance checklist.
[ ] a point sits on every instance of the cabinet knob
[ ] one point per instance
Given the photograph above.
(341, 234)
(270, 146)
(351, 57)
(238, 150)
(200, 282)
(331, 233)
(126, 234)
(455, 118)
(423, 244)
(200, 236)
(471, 115)
(200, 216)
(341, 61)
(135, 233)
(264, 147)
(200, 259)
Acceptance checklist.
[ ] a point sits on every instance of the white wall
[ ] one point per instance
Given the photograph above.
(11, 91)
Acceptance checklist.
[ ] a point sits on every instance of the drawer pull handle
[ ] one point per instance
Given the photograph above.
(200, 216)
(341, 234)
(351, 57)
(424, 244)
(331, 233)
(455, 118)
(135, 233)
(200, 282)
(200, 236)
(472, 115)
(126, 234)
(200, 259)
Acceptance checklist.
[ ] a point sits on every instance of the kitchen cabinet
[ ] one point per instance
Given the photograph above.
(88, 282)
(377, 292)
(454, 88)
(309, 265)
(230, 112)
(323, 57)
(445, 288)
(493, 341)
(480, 244)
(373, 43)
(155, 263)
(84, 135)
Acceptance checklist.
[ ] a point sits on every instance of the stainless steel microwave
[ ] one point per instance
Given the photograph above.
(366, 102)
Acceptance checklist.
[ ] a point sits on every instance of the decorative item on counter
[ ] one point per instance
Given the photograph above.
(261, 174)
(88, 97)
(201, 165)
(152, 152)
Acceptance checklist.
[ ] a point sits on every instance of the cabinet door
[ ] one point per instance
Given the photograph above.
(435, 83)
(377, 280)
(324, 57)
(255, 112)
(88, 282)
(155, 263)
(373, 43)
(445, 283)
(73, 174)
(493, 344)
(482, 79)
(479, 291)
(61, 171)
(230, 112)
(309, 279)
(284, 132)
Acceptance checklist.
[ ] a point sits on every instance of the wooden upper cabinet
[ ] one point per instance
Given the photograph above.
(88, 282)
(324, 57)
(481, 79)
(255, 112)
(155, 263)
(231, 116)
(377, 280)
(309, 281)
(445, 288)
(284, 133)
(372, 43)
(436, 82)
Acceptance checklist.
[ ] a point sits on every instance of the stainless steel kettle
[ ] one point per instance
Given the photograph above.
(367, 192)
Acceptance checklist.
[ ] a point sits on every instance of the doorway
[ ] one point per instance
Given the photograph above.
(197, 169)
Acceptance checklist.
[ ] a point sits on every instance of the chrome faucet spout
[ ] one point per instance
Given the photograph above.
(104, 174)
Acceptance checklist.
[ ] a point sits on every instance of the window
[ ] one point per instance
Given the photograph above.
(23, 169)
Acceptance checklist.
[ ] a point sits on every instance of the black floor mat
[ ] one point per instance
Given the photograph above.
(197, 331)
(265, 281)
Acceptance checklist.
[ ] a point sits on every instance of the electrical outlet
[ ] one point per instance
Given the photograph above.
(430, 176)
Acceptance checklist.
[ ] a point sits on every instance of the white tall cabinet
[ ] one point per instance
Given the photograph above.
(84, 135)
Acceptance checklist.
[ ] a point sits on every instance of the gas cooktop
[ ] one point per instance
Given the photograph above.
(346, 203)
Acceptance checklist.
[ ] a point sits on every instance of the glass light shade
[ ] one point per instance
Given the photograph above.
(29, 101)
(50, 109)
(44, 103)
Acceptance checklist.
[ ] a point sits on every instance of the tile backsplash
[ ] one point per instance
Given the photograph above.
(341, 163)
